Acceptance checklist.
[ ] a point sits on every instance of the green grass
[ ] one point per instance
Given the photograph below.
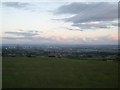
(45, 72)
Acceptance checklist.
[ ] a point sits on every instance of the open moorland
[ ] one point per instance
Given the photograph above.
(53, 72)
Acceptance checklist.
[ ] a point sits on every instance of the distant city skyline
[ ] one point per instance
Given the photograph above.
(59, 22)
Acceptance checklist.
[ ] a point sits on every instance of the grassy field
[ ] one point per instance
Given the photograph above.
(45, 72)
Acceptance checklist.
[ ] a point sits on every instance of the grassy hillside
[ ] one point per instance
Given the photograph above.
(45, 72)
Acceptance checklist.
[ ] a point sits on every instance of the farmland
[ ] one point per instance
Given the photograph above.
(52, 72)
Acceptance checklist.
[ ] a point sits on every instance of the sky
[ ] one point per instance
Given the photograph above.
(59, 22)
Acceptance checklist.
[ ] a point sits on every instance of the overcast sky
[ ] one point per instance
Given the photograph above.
(59, 21)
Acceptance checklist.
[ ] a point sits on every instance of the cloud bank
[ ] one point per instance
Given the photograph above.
(16, 4)
(24, 33)
(21, 34)
(90, 15)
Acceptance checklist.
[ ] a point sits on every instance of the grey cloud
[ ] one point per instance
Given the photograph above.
(16, 4)
(18, 38)
(92, 26)
(24, 33)
(72, 8)
(13, 38)
(32, 7)
(28, 38)
(89, 12)
(71, 28)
